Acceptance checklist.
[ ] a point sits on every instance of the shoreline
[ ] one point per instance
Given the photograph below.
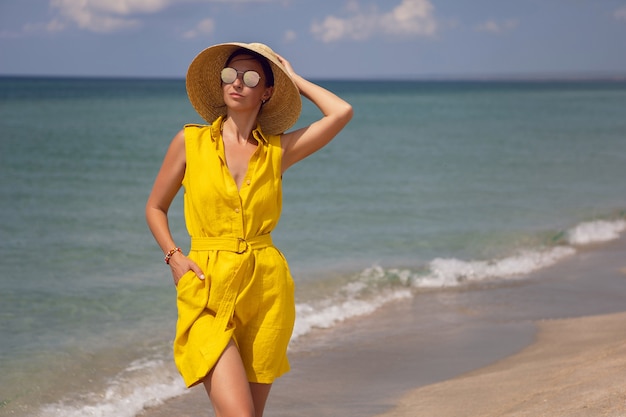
(575, 368)
(367, 366)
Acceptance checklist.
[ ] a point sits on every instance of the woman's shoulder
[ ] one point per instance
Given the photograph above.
(194, 131)
(195, 127)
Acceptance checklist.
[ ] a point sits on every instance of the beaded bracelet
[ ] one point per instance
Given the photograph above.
(170, 254)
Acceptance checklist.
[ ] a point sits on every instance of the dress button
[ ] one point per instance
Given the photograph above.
(237, 210)
(248, 182)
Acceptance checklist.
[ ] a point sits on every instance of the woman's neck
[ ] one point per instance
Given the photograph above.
(239, 126)
(235, 132)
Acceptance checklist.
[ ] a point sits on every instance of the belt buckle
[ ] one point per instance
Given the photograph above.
(242, 245)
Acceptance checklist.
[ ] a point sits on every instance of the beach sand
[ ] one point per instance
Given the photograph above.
(577, 368)
(550, 344)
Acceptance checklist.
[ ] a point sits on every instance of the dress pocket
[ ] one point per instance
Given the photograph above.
(192, 292)
(185, 277)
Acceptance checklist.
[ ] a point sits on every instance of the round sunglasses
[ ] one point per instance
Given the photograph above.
(250, 78)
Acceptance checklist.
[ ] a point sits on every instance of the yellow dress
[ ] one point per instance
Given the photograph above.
(248, 292)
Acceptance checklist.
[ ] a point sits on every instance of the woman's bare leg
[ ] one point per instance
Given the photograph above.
(229, 390)
(260, 392)
(228, 387)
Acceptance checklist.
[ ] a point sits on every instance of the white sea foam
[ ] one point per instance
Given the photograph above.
(377, 286)
(595, 232)
(310, 316)
(453, 272)
(142, 384)
(357, 298)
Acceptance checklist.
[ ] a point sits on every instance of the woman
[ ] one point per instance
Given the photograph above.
(234, 290)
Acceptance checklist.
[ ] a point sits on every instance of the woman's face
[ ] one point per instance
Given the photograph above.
(237, 95)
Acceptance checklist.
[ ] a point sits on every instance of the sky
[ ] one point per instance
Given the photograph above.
(323, 39)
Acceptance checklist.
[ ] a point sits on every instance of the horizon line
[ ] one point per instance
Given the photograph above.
(546, 76)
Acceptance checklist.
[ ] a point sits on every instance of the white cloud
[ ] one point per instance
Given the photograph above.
(493, 26)
(409, 19)
(205, 27)
(289, 36)
(113, 15)
(107, 15)
(121, 7)
(353, 6)
(55, 25)
(620, 14)
(28, 29)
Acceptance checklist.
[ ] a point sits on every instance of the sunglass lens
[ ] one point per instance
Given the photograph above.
(229, 75)
(251, 78)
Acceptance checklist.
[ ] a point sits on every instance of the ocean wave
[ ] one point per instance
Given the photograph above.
(151, 381)
(454, 272)
(376, 286)
(596, 231)
(144, 383)
(328, 313)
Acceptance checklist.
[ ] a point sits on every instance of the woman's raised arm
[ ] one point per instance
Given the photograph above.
(301, 143)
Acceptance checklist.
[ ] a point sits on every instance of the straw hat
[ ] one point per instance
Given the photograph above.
(204, 87)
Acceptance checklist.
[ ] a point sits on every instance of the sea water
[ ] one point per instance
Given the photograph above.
(434, 184)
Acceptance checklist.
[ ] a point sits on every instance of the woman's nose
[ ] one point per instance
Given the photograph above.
(238, 83)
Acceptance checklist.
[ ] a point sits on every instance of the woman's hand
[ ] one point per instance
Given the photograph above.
(287, 66)
(180, 265)
(336, 112)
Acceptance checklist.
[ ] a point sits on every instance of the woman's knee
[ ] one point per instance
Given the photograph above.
(227, 386)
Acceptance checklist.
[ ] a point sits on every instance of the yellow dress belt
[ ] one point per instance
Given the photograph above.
(230, 244)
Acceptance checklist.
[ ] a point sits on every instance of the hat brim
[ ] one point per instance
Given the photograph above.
(204, 87)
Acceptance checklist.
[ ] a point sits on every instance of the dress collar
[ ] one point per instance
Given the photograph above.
(216, 131)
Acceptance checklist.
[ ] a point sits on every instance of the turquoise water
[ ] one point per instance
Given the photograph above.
(433, 184)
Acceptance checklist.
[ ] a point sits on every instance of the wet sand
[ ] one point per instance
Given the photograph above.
(521, 348)
(577, 368)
